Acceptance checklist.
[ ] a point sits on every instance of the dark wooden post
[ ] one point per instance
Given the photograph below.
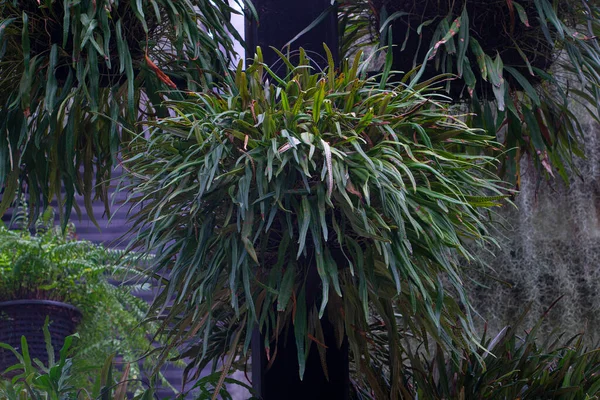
(279, 22)
(282, 380)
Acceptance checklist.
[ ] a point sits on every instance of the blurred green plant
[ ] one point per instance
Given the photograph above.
(53, 265)
(248, 190)
(519, 66)
(76, 76)
(58, 380)
(517, 365)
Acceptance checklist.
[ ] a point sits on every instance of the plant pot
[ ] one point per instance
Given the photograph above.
(26, 318)
(497, 30)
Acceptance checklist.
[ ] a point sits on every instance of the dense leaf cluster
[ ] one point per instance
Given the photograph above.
(518, 364)
(284, 199)
(59, 378)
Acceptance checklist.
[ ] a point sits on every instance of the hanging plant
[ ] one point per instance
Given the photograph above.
(478, 32)
(520, 66)
(365, 185)
(50, 274)
(75, 77)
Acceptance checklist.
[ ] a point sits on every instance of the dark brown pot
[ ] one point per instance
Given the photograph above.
(26, 318)
(490, 23)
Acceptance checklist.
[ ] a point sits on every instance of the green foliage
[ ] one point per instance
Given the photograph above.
(75, 77)
(250, 194)
(206, 385)
(519, 365)
(49, 265)
(520, 66)
(52, 265)
(57, 380)
(356, 28)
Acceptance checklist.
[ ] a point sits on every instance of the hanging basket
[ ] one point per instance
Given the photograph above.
(26, 318)
(498, 29)
(46, 28)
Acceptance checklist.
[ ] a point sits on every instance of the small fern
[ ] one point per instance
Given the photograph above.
(50, 264)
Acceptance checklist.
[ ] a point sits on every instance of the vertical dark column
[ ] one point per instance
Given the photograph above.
(259, 362)
(281, 20)
(282, 380)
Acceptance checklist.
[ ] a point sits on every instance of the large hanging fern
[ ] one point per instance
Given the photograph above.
(246, 192)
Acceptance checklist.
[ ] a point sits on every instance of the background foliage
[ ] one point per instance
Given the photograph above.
(519, 66)
(59, 378)
(548, 247)
(521, 364)
(337, 178)
(75, 77)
